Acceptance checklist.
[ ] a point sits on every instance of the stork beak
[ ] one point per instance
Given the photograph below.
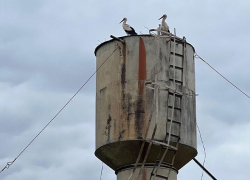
(160, 18)
(121, 21)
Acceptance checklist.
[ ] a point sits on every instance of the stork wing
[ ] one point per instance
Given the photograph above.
(129, 30)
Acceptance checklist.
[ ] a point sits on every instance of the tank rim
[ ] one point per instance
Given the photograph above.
(149, 165)
(123, 37)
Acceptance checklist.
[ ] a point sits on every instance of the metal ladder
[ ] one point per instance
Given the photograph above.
(165, 145)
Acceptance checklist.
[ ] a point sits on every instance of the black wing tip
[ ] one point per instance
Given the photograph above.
(131, 32)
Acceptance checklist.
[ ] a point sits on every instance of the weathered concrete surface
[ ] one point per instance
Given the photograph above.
(123, 103)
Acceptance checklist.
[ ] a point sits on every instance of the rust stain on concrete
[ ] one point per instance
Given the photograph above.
(142, 72)
(144, 175)
(108, 127)
(123, 71)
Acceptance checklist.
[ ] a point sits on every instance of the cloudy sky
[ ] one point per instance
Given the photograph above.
(47, 53)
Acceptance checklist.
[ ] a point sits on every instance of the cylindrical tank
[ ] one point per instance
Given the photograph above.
(127, 111)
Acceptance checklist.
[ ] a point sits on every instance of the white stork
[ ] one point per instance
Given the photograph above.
(164, 25)
(127, 28)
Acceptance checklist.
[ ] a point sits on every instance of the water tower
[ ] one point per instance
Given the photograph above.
(145, 106)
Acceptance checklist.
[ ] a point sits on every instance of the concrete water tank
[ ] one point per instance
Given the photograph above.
(126, 112)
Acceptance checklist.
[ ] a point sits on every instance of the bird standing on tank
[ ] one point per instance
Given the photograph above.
(164, 25)
(127, 28)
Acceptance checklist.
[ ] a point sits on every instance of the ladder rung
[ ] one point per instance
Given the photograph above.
(174, 107)
(177, 54)
(173, 121)
(171, 79)
(177, 67)
(164, 145)
(178, 95)
(159, 176)
(169, 149)
(174, 136)
(170, 165)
